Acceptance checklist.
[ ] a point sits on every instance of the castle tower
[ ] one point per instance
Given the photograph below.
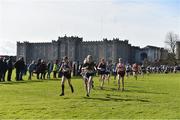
(69, 46)
(115, 49)
(178, 50)
(22, 50)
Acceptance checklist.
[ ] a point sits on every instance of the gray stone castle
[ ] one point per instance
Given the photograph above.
(76, 49)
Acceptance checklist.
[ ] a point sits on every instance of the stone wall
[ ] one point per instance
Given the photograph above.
(96, 49)
(34, 51)
(76, 49)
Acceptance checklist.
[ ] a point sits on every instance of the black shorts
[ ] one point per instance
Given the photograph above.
(121, 73)
(60, 74)
(88, 74)
(107, 72)
(102, 72)
(66, 74)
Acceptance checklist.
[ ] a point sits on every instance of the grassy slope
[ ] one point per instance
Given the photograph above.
(154, 96)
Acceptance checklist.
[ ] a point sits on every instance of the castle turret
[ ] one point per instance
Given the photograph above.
(69, 46)
(22, 49)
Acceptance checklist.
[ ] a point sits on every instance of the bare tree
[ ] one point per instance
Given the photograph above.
(171, 39)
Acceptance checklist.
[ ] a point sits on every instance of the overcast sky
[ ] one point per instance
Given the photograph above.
(142, 22)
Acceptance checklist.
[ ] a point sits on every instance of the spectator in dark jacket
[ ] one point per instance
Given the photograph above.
(4, 69)
(43, 69)
(1, 68)
(10, 68)
(19, 65)
(38, 68)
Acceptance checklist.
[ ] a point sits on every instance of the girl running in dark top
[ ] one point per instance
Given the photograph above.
(102, 71)
(66, 74)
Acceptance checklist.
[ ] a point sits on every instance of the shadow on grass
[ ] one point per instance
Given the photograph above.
(104, 88)
(134, 86)
(22, 81)
(108, 98)
(30, 81)
(132, 91)
(142, 91)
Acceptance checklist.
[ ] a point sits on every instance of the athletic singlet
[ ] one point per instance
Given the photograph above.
(65, 67)
(102, 66)
(135, 67)
(121, 67)
(90, 66)
(127, 68)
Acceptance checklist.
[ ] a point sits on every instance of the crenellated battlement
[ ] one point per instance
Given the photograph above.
(92, 41)
(41, 43)
(77, 39)
(71, 39)
(27, 42)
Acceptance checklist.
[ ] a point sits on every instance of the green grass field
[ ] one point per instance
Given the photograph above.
(155, 96)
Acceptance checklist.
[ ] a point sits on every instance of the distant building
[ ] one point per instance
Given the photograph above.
(77, 49)
(154, 53)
